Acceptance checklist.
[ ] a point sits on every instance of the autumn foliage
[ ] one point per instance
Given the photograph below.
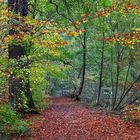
(69, 120)
(132, 112)
(92, 48)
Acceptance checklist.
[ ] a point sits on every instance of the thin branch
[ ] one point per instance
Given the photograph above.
(61, 14)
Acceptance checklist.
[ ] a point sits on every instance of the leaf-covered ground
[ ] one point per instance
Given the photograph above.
(68, 120)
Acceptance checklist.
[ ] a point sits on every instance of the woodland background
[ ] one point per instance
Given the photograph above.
(85, 49)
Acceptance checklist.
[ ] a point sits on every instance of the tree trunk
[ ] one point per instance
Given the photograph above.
(19, 88)
(77, 96)
(101, 72)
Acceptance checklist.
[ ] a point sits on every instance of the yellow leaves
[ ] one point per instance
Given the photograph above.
(138, 12)
(50, 44)
(7, 39)
(132, 111)
(56, 34)
(41, 33)
(28, 19)
(2, 18)
(4, 46)
(4, 12)
(137, 29)
(45, 31)
(74, 33)
(33, 31)
(131, 46)
(107, 14)
(76, 23)
(16, 37)
(54, 53)
(35, 22)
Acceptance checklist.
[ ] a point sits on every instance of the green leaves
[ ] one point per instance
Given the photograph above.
(10, 121)
(106, 3)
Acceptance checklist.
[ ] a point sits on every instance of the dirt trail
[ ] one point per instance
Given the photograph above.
(68, 120)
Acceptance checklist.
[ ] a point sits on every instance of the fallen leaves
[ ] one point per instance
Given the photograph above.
(68, 120)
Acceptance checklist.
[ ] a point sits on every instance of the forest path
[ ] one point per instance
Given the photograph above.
(68, 120)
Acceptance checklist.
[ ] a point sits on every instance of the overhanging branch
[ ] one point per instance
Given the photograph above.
(61, 14)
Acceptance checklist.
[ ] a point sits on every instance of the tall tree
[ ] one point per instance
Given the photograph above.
(19, 88)
(84, 53)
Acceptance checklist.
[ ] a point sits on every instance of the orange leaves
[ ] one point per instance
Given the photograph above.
(132, 112)
(105, 12)
(126, 39)
(73, 33)
(138, 11)
(42, 33)
(83, 19)
(119, 6)
(61, 43)
(66, 119)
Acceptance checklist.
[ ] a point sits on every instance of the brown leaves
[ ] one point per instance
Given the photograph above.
(68, 120)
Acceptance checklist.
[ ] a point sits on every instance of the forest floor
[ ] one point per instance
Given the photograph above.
(69, 120)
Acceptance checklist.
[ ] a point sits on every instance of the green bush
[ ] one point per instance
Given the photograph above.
(10, 121)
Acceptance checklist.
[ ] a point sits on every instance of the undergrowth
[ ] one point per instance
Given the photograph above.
(11, 123)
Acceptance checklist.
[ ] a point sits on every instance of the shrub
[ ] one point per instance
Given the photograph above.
(10, 121)
(132, 113)
(40, 100)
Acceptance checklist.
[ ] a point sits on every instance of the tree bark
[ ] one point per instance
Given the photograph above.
(101, 72)
(77, 96)
(19, 88)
